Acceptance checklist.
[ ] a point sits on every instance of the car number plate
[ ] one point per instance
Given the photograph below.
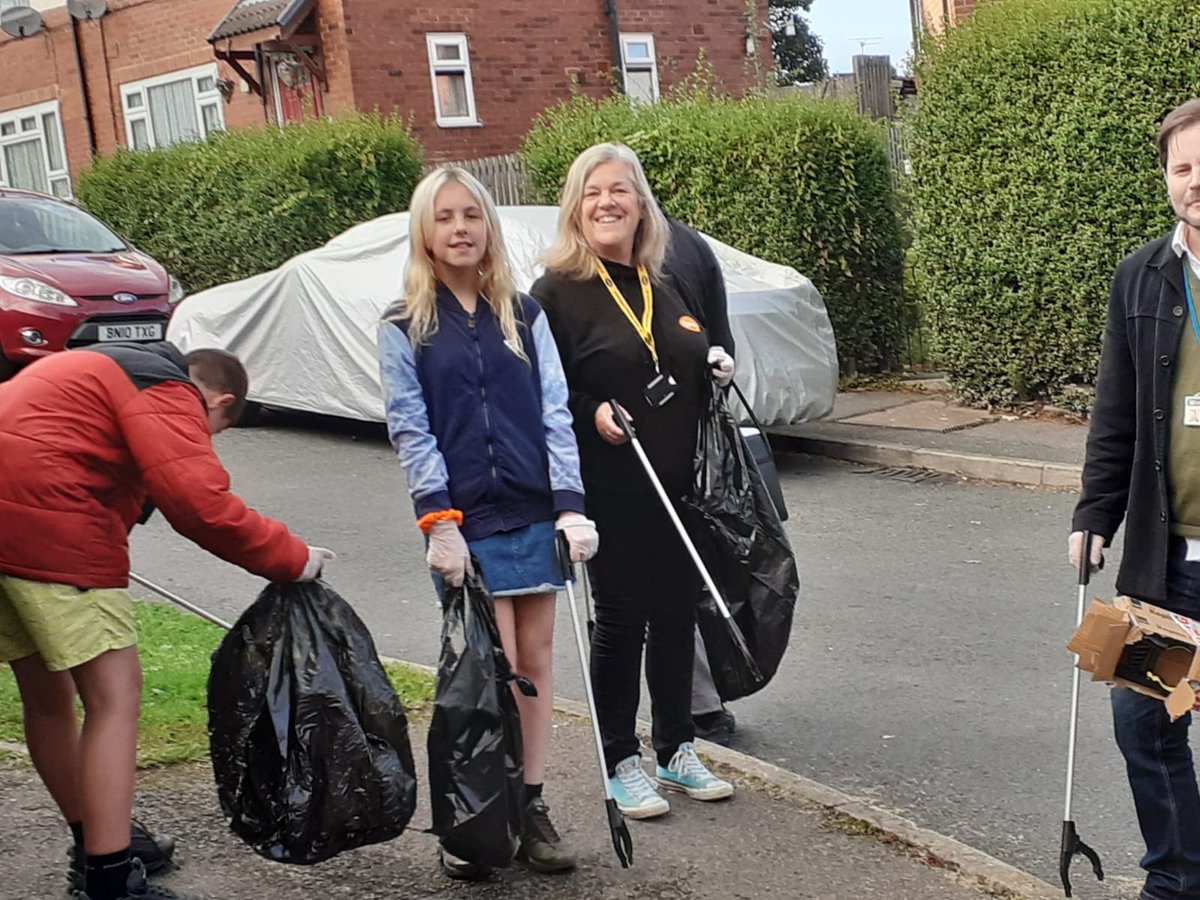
(134, 331)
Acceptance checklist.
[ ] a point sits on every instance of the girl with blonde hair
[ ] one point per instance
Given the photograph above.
(476, 405)
(625, 334)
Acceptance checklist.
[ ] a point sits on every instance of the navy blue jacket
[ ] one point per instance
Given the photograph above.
(478, 428)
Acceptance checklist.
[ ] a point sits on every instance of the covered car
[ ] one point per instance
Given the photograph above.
(307, 330)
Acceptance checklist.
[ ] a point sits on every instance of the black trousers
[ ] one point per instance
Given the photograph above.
(645, 589)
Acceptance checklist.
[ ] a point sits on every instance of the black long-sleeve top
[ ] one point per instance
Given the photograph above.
(604, 358)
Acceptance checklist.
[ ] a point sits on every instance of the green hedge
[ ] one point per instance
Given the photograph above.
(244, 201)
(798, 182)
(1034, 174)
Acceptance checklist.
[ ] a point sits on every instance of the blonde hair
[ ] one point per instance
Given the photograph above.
(570, 254)
(496, 283)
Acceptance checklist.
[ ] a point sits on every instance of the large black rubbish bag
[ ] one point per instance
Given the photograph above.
(476, 764)
(739, 536)
(309, 741)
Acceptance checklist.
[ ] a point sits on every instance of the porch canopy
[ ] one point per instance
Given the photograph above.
(253, 28)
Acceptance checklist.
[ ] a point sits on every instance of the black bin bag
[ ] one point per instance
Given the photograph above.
(476, 763)
(738, 533)
(309, 741)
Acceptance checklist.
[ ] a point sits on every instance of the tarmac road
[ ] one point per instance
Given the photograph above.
(927, 668)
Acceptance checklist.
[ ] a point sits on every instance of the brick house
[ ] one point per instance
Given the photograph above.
(934, 16)
(470, 74)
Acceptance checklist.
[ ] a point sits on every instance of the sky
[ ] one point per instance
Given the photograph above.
(841, 24)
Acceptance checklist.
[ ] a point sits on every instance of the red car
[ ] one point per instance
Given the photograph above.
(67, 280)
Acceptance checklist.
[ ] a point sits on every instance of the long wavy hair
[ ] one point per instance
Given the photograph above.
(570, 254)
(496, 283)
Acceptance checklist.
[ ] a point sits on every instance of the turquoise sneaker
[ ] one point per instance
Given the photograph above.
(686, 773)
(634, 791)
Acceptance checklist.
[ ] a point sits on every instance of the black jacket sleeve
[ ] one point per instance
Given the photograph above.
(715, 301)
(582, 405)
(1108, 464)
(696, 274)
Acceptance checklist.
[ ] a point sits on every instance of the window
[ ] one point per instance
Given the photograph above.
(641, 67)
(450, 70)
(32, 154)
(39, 225)
(169, 109)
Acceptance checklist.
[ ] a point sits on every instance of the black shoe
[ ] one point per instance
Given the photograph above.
(460, 869)
(138, 888)
(154, 850)
(541, 847)
(717, 727)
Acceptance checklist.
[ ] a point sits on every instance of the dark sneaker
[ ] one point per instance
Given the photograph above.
(154, 850)
(541, 847)
(460, 869)
(717, 727)
(138, 888)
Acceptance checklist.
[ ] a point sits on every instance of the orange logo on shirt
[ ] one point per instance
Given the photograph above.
(689, 323)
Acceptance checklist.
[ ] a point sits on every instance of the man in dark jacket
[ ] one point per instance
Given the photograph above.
(1141, 466)
(696, 274)
(89, 438)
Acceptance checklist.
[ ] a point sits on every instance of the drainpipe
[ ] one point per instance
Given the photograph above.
(614, 40)
(83, 89)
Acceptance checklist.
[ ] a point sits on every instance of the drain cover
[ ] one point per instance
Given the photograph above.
(905, 473)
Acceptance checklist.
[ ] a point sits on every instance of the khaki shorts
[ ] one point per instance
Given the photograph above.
(65, 625)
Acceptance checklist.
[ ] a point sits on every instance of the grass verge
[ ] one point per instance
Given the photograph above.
(176, 648)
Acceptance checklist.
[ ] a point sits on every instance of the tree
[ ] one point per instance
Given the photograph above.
(799, 57)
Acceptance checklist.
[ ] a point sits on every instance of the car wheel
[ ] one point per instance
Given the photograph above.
(251, 415)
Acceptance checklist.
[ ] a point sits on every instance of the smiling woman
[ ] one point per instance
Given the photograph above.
(627, 340)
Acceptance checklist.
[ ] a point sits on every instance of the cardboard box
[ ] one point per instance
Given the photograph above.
(1135, 645)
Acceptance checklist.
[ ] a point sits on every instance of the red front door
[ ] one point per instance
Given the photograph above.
(297, 93)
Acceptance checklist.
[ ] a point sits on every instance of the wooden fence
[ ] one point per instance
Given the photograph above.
(898, 153)
(504, 176)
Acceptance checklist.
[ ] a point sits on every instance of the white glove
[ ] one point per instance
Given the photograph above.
(722, 365)
(447, 554)
(317, 557)
(1075, 550)
(581, 534)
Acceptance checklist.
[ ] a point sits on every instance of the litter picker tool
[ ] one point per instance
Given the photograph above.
(737, 639)
(622, 842)
(179, 601)
(1071, 842)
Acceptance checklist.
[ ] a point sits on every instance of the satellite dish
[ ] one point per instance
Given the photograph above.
(87, 9)
(21, 21)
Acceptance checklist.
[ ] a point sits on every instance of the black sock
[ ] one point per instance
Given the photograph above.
(531, 791)
(76, 832)
(108, 875)
(665, 756)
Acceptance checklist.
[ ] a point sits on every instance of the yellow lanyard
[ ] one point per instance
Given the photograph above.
(642, 327)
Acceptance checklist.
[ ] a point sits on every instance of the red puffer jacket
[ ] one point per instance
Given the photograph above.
(86, 438)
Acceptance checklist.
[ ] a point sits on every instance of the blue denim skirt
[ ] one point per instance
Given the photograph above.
(519, 562)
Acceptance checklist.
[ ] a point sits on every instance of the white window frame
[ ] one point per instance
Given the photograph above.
(54, 174)
(202, 99)
(460, 66)
(639, 65)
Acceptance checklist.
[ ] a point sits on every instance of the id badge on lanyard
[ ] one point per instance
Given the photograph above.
(663, 386)
(1191, 404)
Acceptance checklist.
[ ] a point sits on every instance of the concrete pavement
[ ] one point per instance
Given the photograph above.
(769, 840)
(928, 430)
